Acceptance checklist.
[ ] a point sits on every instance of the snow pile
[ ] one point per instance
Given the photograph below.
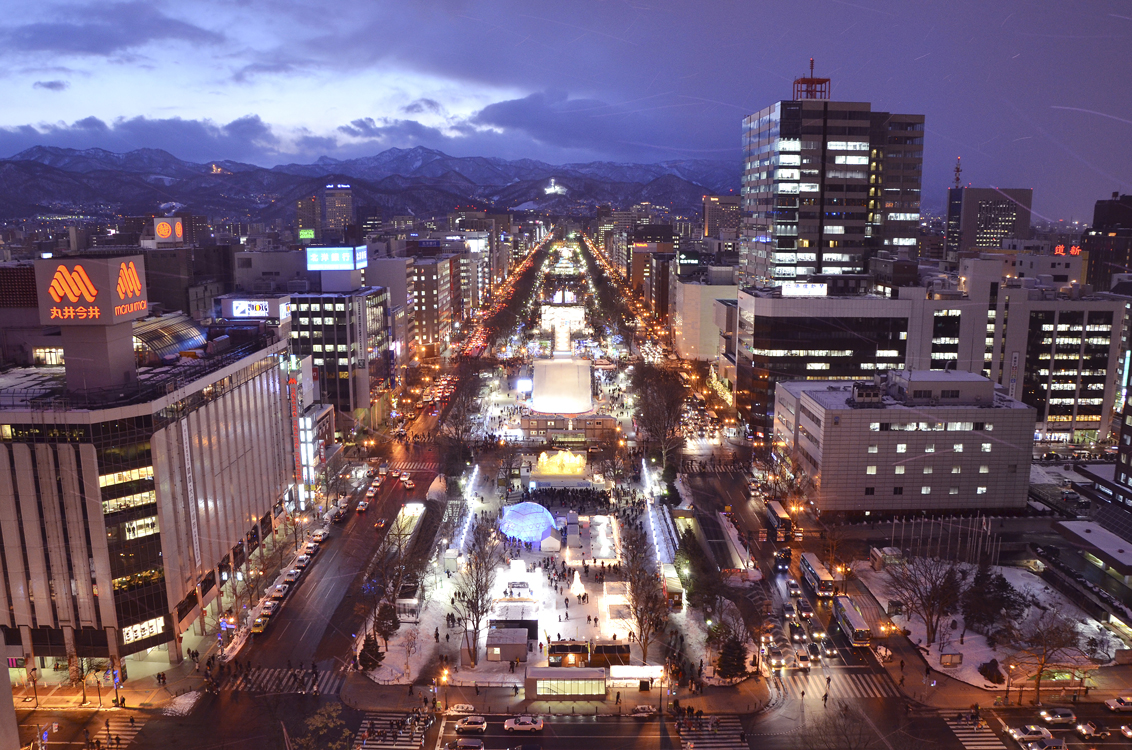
(974, 648)
(182, 705)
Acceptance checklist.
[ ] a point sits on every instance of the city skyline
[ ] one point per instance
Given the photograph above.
(1017, 91)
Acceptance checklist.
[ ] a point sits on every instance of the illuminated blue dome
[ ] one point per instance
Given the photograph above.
(529, 522)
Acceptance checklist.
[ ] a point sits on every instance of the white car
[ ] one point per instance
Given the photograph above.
(523, 724)
(1030, 733)
(320, 536)
(280, 591)
(302, 561)
(292, 575)
(643, 711)
(1119, 704)
(362, 506)
(408, 484)
(269, 608)
(471, 724)
(461, 708)
(793, 587)
(1058, 716)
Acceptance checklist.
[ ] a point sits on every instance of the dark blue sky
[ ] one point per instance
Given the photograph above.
(1030, 94)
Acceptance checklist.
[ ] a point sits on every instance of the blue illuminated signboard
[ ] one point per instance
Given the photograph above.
(336, 258)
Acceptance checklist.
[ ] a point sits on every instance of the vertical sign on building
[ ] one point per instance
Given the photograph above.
(293, 389)
(1013, 372)
(190, 490)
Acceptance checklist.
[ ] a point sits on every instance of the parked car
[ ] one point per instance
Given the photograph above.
(259, 625)
(292, 575)
(302, 561)
(320, 536)
(523, 724)
(1030, 733)
(461, 708)
(310, 548)
(1058, 716)
(280, 591)
(643, 710)
(269, 608)
(465, 743)
(471, 724)
(1119, 704)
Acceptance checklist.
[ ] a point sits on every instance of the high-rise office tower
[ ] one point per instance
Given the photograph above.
(1108, 243)
(981, 217)
(339, 198)
(721, 212)
(308, 218)
(825, 184)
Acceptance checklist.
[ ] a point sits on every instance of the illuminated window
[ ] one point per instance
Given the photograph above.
(870, 470)
(927, 470)
(986, 447)
(925, 490)
(984, 469)
(873, 448)
(901, 447)
(980, 490)
(958, 447)
(898, 469)
(929, 448)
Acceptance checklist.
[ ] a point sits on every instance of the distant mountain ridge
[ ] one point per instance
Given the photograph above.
(399, 180)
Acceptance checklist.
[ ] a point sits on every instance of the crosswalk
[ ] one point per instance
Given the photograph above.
(415, 466)
(841, 685)
(263, 680)
(118, 727)
(713, 733)
(390, 731)
(975, 738)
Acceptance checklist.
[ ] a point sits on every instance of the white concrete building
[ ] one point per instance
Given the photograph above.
(908, 440)
(694, 331)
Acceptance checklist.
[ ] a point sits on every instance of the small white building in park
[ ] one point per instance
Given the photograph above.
(907, 441)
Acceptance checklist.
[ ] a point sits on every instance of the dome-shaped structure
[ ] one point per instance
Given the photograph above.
(529, 522)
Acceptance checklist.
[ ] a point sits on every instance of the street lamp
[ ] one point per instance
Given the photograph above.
(1009, 680)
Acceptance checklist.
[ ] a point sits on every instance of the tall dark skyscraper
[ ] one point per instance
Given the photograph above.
(1108, 243)
(825, 184)
(982, 217)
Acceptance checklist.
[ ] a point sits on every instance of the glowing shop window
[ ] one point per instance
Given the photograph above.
(120, 477)
(146, 629)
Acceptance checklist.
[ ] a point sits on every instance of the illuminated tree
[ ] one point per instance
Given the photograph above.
(475, 582)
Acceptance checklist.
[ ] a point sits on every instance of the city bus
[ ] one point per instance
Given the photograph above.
(816, 575)
(779, 520)
(851, 621)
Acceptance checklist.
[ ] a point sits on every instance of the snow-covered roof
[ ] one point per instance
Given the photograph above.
(1114, 550)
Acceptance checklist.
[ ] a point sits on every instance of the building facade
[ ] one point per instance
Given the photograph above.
(983, 217)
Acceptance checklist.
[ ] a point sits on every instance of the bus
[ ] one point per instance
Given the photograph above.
(779, 520)
(816, 575)
(851, 621)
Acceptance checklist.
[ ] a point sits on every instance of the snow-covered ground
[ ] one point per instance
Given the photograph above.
(182, 705)
(974, 648)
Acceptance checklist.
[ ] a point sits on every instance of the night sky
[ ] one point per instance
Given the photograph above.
(1030, 94)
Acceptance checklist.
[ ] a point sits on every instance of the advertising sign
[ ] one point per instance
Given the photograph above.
(804, 290)
(306, 234)
(91, 291)
(249, 308)
(168, 230)
(336, 258)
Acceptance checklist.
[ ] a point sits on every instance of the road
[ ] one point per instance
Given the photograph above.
(563, 732)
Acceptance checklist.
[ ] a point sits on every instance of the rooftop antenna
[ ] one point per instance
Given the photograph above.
(811, 87)
(958, 171)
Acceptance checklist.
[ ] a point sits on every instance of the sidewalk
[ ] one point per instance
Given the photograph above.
(361, 693)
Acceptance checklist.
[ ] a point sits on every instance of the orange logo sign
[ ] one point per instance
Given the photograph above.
(129, 285)
(72, 285)
(163, 230)
(180, 231)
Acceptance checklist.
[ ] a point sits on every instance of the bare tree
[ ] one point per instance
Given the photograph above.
(837, 728)
(1049, 642)
(928, 587)
(787, 477)
(475, 581)
(660, 407)
(647, 603)
(411, 643)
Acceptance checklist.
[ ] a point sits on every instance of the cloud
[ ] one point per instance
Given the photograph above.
(423, 106)
(104, 30)
(51, 85)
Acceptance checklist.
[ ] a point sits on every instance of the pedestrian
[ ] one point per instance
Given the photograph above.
(901, 665)
(618, 697)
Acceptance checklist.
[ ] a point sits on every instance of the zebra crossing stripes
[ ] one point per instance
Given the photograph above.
(841, 686)
(414, 466)
(120, 727)
(975, 738)
(713, 733)
(374, 724)
(264, 680)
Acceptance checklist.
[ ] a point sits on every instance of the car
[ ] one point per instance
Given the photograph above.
(320, 536)
(1092, 730)
(395, 474)
(302, 561)
(363, 506)
(1058, 716)
(1126, 730)
(269, 608)
(817, 632)
(523, 724)
(280, 591)
(793, 587)
(1030, 733)
(461, 708)
(801, 658)
(775, 656)
(380, 524)
(1047, 744)
(805, 609)
(814, 651)
(827, 647)
(797, 633)
(292, 575)
(371, 492)
(643, 710)
(310, 548)
(788, 611)
(471, 724)
(259, 625)
(408, 484)
(465, 743)
(1119, 704)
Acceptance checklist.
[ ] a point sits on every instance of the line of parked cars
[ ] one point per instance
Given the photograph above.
(280, 591)
(1038, 737)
